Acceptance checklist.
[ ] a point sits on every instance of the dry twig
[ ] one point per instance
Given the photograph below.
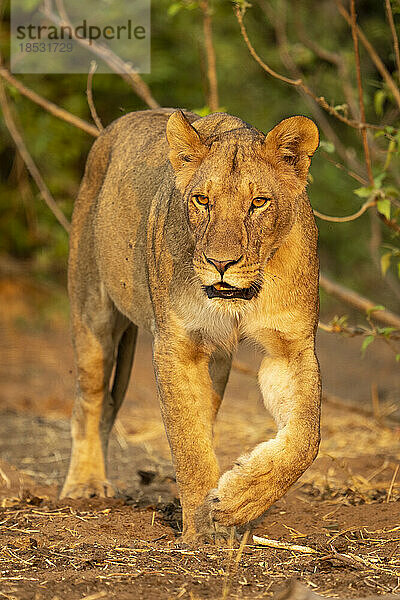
(389, 13)
(320, 100)
(116, 64)
(52, 108)
(373, 55)
(89, 93)
(28, 160)
(352, 217)
(360, 92)
(392, 483)
(282, 545)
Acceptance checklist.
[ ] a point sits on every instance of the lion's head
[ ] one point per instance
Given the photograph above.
(239, 189)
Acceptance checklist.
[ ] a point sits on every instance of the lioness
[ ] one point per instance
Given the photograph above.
(200, 230)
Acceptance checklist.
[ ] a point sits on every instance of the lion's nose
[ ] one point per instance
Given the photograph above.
(222, 265)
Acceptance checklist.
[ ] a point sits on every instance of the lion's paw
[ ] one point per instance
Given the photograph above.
(208, 531)
(239, 498)
(217, 535)
(88, 489)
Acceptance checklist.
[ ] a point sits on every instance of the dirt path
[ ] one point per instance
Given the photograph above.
(346, 507)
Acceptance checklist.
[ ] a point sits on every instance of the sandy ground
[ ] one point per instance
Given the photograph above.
(345, 509)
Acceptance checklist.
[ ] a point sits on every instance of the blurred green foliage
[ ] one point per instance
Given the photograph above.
(178, 78)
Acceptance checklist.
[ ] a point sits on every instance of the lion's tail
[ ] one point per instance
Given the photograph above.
(123, 367)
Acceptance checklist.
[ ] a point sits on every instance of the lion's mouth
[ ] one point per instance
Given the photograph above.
(228, 292)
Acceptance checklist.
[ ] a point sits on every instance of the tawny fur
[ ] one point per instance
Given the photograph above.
(140, 244)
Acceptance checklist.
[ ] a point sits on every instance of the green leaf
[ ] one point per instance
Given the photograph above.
(398, 270)
(379, 100)
(386, 331)
(368, 340)
(374, 309)
(383, 207)
(363, 192)
(390, 190)
(174, 9)
(385, 262)
(378, 180)
(327, 146)
(397, 357)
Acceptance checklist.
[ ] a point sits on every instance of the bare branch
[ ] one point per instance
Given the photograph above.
(263, 65)
(359, 302)
(116, 64)
(28, 160)
(394, 34)
(213, 100)
(373, 55)
(360, 91)
(89, 93)
(352, 331)
(278, 20)
(352, 174)
(391, 223)
(320, 100)
(352, 217)
(333, 58)
(47, 105)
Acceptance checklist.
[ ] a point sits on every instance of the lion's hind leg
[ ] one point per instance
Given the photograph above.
(97, 328)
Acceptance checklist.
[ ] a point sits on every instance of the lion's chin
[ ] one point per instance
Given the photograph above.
(228, 292)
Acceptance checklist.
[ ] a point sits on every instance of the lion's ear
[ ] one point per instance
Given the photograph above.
(186, 147)
(294, 140)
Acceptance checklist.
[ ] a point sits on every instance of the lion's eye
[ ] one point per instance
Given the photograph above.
(200, 199)
(261, 202)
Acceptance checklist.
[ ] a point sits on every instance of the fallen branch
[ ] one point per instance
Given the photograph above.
(28, 160)
(261, 541)
(359, 302)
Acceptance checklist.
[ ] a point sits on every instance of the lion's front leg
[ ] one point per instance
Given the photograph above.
(291, 389)
(188, 409)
